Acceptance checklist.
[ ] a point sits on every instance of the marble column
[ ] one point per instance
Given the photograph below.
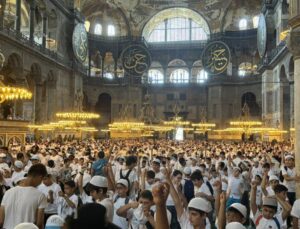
(38, 103)
(18, 14)
(293, 45)
(31, 21)
(44, 30)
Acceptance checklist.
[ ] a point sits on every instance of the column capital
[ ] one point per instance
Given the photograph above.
(293, 42)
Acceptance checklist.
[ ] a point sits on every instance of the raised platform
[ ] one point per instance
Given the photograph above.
(13, 131)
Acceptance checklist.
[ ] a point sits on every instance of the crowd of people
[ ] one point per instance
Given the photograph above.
(145, 184)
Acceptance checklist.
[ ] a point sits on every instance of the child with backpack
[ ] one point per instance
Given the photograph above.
(267, 217)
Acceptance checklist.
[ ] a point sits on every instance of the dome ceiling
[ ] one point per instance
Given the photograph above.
(136, 13)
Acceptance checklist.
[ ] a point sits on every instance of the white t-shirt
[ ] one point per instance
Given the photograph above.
(138, 220)
(186, 224)
(108, 204)
(51, 208)
(204, 188)
(234, 186)
(291, 185)
(21, 205)
(264, 223)
(64, 209)
(120, 221)
(296, 211)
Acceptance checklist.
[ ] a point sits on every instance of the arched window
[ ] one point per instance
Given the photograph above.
(155, 76)
(255, 21)
(176, 24)
(87, 25)
(202, 76)
(243, 24)
(111, 31)
(179, 76)
(98, 29)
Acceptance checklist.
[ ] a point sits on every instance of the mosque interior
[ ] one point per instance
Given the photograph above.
(147, 62)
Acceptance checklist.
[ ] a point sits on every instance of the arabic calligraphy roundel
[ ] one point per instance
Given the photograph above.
(136, 60)
(80, 42)
(215, 57)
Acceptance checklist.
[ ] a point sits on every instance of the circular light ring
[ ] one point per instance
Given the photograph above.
(14, 93)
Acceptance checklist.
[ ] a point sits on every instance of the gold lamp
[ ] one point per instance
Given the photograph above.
(12, 93)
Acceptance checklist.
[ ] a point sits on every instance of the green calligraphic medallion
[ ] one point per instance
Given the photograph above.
(80, 42)
(215, 58)
(262, 35)
(136, 60)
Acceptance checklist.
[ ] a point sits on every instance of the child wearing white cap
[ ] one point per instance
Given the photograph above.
(121, 199)
(267, 218)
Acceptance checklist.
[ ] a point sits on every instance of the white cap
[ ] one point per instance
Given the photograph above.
(235, 225)
(273, 177)
(86, 179)
(2, 155)
(54, 222)
(123, 182)
(187, 170)
(99, 181)
(19, 164)
(156, 160)
(26, 226)
(200, 204)
(240, 208)
(270, 201)
(35, 157)
(73, 173)
(287, 157)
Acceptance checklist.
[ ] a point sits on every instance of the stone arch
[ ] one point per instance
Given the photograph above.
(250, 99)
(103, 107)
(13, 70)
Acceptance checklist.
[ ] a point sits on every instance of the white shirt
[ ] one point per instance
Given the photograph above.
(51, 208)
(21, 204)
(204, 189)
(120, 221)
(264, 223)
(138, 220)
(186, 224)
(64, 209)
(108, 204)
(234, 186)
(296, 211)
(291, 185)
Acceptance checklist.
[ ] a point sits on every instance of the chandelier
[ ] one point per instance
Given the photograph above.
(12, 93)
(77, 115)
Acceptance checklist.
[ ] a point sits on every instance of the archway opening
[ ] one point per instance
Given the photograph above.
(250, 99)
(103, 107)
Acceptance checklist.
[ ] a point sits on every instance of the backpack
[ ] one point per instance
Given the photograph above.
(261, 216)
(210, 188)
(281, 178)
(126, 177)
(188, 190)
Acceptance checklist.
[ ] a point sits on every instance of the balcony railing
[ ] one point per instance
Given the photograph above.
(272, 55)
(24, 40)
